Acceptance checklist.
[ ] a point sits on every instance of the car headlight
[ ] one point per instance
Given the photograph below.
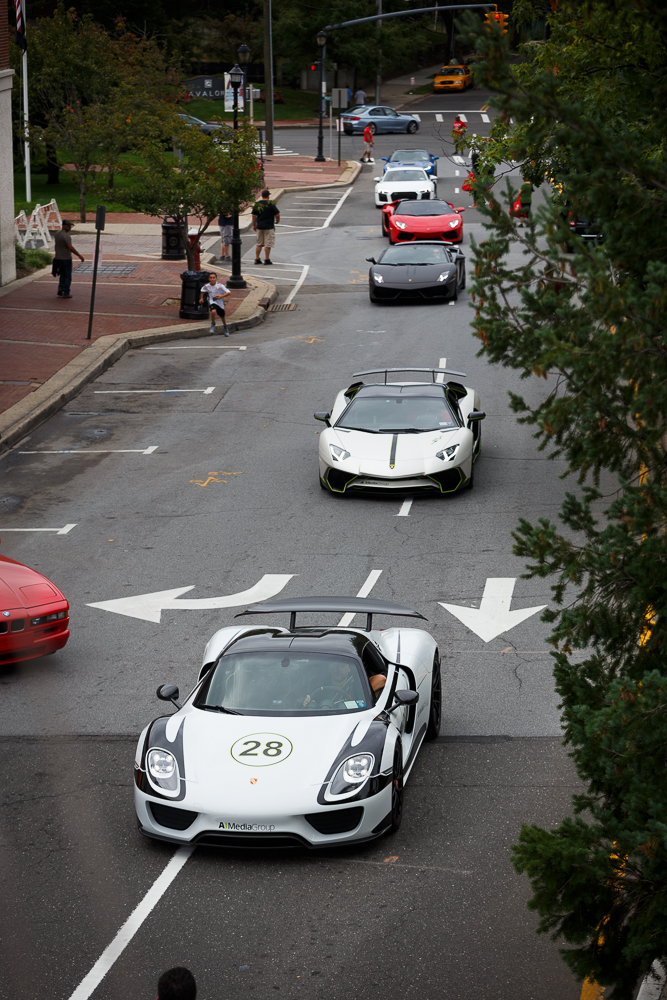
(401, 225)
(447, 454)
(338, 454)
(379, 280)
(352, 773)
(453, 224)
(56, 616)
(445, 275)
(161, 764)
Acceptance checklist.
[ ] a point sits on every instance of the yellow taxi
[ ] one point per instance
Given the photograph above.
(453, 78)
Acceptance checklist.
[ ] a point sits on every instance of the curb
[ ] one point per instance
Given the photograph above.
(31, 411)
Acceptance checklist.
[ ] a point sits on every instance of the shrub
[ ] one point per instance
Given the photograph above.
(37, 258)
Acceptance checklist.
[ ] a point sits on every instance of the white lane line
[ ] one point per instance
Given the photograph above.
(165, 392)
(458, 159)
(95, 451)
(304, 275)
(405, 508)
(485, 118)
(113, 951)
(57, 531)
(457, 173)
(438, 117)
(198, 347)
(456, 191)
(462, 117)
(336, 208)
(371, 580)
(651, 989)
(442, 363)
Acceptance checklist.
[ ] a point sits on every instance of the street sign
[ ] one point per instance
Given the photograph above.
(339, 97)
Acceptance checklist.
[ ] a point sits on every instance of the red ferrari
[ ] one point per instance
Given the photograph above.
(407, 221)
(34, 615)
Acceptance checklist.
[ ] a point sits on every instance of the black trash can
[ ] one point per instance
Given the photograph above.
(172, 247)
(192, 283)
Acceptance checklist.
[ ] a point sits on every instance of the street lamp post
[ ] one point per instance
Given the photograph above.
(236, 278)
(322, 42)
(243, 53)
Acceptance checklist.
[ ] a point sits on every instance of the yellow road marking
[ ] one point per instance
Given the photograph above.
(213, 478)
(591, 990)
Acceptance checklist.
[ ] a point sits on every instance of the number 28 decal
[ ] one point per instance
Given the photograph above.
(261, 749)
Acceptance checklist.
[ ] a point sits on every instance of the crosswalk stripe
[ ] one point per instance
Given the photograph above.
(438, 118)
(485, 118)
(417, 117)
(463, 118)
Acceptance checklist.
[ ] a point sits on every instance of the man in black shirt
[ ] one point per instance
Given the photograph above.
(265, 214)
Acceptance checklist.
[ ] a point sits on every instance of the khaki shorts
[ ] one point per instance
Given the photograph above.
(266, 237)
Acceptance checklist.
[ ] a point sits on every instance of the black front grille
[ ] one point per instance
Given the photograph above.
(173, 819)
(449, 480)
(403, 195)
(18, 625)
(340, 821)
(405, 235)
(4, 627)
(338, 480)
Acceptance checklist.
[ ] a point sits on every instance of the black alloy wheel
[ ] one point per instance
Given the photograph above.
(397, 789)
(435, 711)
(412, 127)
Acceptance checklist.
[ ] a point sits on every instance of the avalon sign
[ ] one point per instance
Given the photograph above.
(214, 88)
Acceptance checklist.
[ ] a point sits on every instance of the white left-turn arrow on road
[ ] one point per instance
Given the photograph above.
(149, 607)
(493, 616)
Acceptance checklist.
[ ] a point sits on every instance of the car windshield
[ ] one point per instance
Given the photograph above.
(408, 156)
(415, 253)
(285, 683)
(397, 414)
(424, 208)
(404, 175)
(451, 71)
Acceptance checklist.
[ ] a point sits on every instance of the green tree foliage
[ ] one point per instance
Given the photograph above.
(207, 176)
(585, 114)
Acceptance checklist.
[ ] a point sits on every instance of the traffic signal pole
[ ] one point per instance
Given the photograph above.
(404, 13)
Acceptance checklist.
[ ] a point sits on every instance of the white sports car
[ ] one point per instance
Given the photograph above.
(404, 182)
(401, 437)
(294, 736)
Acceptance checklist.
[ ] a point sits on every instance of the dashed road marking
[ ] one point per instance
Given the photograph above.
(199, 347)
(369, 583)
(438, 117)
(95, 451)
(164, 392)
(485, 118)
(405, 508)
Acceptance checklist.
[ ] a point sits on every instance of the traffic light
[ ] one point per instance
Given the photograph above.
(315, 65)
(496, 16)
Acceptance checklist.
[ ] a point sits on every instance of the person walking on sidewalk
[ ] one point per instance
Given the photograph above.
(217, 293)
(368, 145)
(226, 223)
(265, 214)
(62, 262)
(359, 98)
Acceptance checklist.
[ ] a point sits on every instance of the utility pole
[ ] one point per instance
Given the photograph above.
(378, 78)
(268, 77)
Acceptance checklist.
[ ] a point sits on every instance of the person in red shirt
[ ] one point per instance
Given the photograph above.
(368, 145)
(458, 133)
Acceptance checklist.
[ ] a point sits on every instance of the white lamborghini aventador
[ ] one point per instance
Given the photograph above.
(405, 437)
(296, 736)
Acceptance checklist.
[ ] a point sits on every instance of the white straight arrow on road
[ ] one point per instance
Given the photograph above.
(149, 607)
(493, 616)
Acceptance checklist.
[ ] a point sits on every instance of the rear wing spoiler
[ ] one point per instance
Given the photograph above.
(431, 371)
(354, 605)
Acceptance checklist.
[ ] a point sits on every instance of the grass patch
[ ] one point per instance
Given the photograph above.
(66, 194)
(299, 105)
(425, 88)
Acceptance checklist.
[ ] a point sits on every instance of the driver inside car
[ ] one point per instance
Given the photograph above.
(343, 679)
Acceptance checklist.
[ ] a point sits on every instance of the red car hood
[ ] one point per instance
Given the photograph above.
(426, 223)
(22, 587)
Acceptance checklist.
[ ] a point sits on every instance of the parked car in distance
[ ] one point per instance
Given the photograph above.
(208, 128)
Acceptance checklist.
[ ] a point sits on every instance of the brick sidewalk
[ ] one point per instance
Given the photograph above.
(40, 333)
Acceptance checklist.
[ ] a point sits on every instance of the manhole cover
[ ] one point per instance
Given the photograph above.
(282, 307)
(108, 270)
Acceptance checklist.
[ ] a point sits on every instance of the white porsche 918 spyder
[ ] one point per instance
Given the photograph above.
(292, 736)
(401, 437)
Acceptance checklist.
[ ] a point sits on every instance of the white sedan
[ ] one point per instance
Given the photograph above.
(292, 736)
(402, 183)
(401, 437)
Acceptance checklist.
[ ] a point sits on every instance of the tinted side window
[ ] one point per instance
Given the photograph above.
(372, 661)
(376, 112)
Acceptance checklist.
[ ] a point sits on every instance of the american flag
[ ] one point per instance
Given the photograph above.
(20, 27)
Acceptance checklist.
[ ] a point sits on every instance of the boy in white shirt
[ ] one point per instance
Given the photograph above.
(217, 294)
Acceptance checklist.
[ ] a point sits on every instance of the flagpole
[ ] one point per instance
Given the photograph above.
(20, 27)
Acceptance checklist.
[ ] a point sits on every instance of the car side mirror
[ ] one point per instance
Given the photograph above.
(377, 178)
(371, 260)
(323, 416)
(459, 209)
(403, 699)
(475, 415)
(169, 692)
(435, 158)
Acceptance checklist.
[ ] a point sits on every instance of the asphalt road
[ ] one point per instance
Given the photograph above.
(231, 493)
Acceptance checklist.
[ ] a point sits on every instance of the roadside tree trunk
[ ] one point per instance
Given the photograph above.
(52, 168)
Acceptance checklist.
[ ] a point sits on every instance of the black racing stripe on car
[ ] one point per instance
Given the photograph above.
(157, 738)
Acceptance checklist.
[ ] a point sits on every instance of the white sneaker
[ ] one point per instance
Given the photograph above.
(212, 328)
